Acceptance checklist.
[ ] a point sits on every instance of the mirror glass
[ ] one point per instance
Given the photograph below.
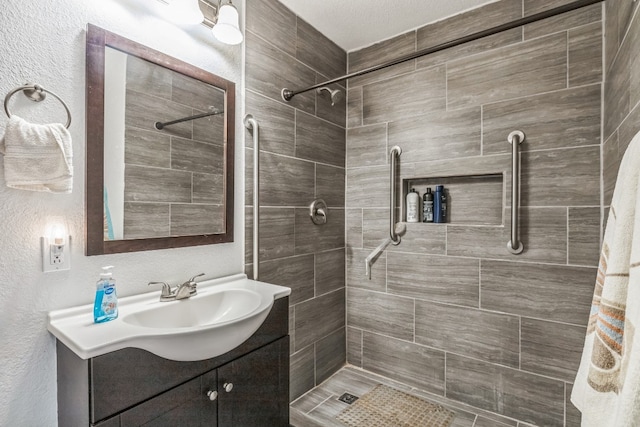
(162, 131)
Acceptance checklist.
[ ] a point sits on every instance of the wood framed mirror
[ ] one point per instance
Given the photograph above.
(160, 149)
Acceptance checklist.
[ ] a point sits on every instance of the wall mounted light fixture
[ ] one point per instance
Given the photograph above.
(223, 19)
(226, 26)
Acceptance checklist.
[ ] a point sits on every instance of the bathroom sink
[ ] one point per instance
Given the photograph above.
(216, 308)
(224, 313)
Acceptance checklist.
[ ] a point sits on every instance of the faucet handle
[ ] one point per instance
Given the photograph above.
(193, 279)
(166, 289)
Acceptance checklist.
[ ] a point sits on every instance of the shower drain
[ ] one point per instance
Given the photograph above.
(348, 398)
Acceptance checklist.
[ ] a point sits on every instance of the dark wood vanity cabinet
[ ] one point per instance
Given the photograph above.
(132, 387)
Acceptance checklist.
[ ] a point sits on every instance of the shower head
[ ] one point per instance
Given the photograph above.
(336, 94)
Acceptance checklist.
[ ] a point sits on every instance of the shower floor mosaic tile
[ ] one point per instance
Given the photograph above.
(321, 406)
(385, 406)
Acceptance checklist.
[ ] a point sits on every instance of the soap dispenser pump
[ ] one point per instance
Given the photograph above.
(105, 307)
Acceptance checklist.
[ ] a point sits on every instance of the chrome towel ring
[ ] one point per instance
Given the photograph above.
(35, 93)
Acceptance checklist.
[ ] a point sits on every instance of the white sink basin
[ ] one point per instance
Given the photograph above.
(217, 307)
(224, 314)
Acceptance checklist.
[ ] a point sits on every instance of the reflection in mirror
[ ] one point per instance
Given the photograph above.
(165, 141)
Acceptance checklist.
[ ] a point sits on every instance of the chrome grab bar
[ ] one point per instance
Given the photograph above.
(252, 124)
(515, 138)
(394, 154)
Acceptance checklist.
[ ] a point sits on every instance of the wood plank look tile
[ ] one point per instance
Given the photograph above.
(275, 22)
(330, 182)
(277, 231)
(380, 53)
(318, 52)
(209, 129)
(610, 166)
(354, 347)
(146, 148)
(524, 69)
(354, 107)
(550, 292)
(143, 110)
(368, 187)
(616, 90)
(208, 188)
(196, 94)
(475, 333)
(506, 391)
(194, 156)
(314, 238)
(381, 313)
(423, 138)
(145, 220)
(573, 416)
(319, 140)
(331, 353)
(277, 124)
(329, 271)
(542, 230)
(408, 95)
(144, 184)
(585, 54)
(551, 349)
(269, 69)
(469, 22)
(295, 272)
(367, 146)
(410, 363)
(195, 219)
(584, 236)
(285, 181)
(301, 372)
(354, 228)
(429, 277)
(572, 113)
(568, 177)
(318, 317)
(146, 77)
(563, 22)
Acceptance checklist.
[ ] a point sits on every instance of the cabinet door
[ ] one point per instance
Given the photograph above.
(185, 405)
(260, 393)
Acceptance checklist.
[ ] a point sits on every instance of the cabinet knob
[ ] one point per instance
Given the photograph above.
(227, 387)
(213, 395)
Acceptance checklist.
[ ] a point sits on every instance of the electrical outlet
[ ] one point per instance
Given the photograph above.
(55, 257)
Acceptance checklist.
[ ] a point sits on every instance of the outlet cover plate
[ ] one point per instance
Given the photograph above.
(48, 265)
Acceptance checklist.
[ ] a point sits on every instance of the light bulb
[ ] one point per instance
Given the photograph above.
(185, 12)
(227, 28)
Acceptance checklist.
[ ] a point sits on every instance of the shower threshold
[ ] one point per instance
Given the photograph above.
(321, 406)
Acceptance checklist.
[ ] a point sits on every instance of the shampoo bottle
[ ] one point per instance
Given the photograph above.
(427, 206)
(413, 202)
(105, 307)
(439, 205)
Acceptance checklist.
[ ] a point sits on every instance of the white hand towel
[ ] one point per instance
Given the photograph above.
(37, 157)
(607, 385)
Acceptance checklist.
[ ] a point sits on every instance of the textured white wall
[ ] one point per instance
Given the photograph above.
(43, 41)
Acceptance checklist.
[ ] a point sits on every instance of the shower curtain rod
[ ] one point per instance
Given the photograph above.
(288, 94)
(160, 125)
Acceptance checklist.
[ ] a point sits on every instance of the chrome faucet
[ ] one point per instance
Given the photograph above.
(185, 290)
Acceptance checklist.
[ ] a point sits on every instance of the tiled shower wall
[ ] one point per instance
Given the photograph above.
(302, 157)
(450, 310)
(622, 93)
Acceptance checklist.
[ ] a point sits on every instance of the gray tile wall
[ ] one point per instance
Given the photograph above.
(174, 178)
(450, 310)
(622, 93)
(302, 157)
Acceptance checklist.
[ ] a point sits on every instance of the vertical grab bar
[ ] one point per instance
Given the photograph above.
(515, 138)
(252, 124)
(394, 154)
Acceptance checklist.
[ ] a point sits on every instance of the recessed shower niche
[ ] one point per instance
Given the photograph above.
(476, 188)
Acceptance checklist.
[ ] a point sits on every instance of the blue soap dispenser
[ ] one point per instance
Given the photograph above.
(105, 307)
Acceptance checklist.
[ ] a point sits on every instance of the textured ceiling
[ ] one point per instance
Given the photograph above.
(353, 24)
